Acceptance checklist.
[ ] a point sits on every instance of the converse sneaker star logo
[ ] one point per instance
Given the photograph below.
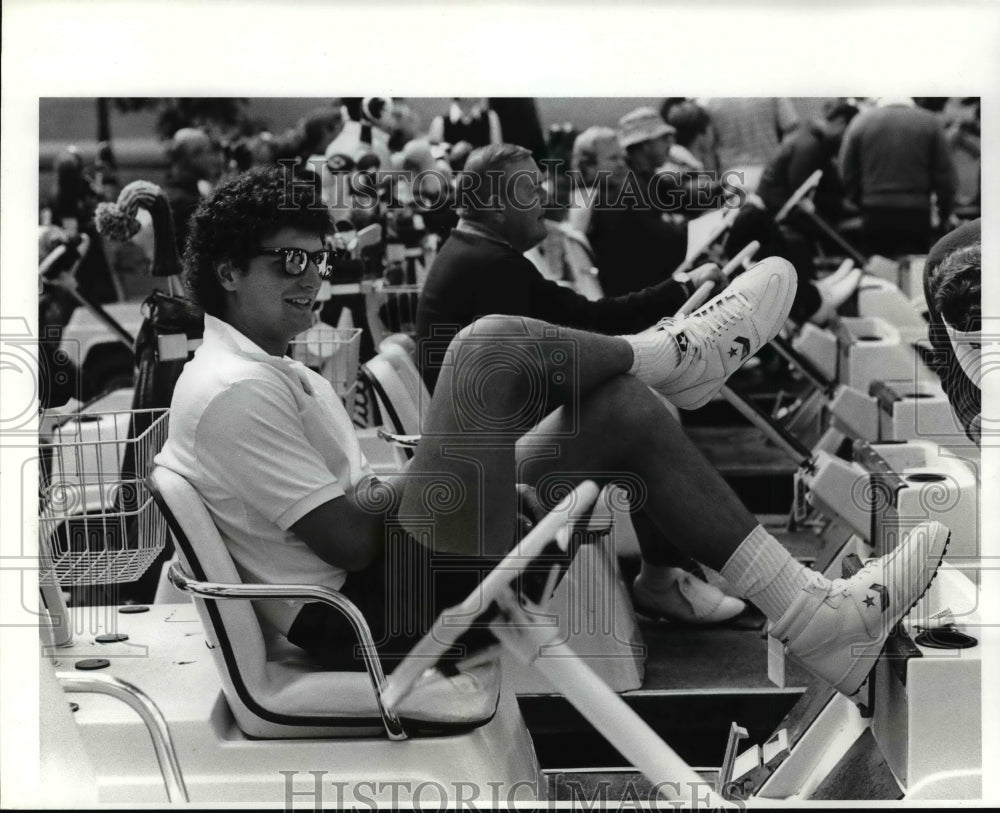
(716, 339)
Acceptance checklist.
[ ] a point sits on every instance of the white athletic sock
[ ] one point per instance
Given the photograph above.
(763, 571)
(655, 355)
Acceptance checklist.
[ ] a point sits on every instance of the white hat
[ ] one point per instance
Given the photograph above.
(642, 124)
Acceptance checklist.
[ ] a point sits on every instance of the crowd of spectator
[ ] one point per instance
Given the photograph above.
(896, 174)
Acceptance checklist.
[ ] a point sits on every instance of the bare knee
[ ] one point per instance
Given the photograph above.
(496, 374)
(501, 325)
(630, 410)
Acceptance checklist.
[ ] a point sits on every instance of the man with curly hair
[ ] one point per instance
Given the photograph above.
(273, 453)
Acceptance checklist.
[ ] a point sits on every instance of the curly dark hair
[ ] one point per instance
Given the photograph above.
(230, 224)
(956, 288)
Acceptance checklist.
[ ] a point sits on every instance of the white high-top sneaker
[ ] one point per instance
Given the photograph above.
(837, 629)
(719, 337)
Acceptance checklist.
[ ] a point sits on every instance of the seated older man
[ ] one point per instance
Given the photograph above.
(273, 453)
(481, 269)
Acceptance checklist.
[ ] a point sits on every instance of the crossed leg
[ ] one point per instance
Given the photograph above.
(519, 400)
(575, 411)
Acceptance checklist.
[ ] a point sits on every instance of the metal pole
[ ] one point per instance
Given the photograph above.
(155, 722)
(603, 708)
(103, 316)
(788, 443)
(58, 629)
(860, 259)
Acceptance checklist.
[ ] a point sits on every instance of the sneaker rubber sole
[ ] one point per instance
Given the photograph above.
(862, 670)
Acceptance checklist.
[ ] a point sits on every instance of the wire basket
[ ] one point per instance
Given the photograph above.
(333, 352)
(97, 520)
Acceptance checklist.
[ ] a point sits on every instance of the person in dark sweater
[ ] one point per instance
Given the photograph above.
(481, 270)
(960, 307)
(893, 159)
(812, 147)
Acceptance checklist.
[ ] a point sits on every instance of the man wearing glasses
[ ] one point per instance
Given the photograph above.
(273, 453)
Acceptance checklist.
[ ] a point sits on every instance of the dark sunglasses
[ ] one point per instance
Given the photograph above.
(298, 259)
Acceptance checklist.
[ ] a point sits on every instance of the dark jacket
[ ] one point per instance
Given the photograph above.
(634, 245)
(473, 276)
(800, 155)
(894, 157)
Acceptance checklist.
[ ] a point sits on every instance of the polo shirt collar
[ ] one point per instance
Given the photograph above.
(222, 332)
(479, 230)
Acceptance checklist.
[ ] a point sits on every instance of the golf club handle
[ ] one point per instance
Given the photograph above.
(742, 255)
(697, 299)
(787, 442)
(806, 188)
(714, 235)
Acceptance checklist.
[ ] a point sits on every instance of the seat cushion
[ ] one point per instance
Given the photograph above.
(299, 685)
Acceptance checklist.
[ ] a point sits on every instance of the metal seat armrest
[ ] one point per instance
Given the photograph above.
(156, 724)
(399, 439)
(215, 590)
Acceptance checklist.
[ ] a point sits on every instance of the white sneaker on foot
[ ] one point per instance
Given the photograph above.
(716, 339)
(686, 599)
(837, 629)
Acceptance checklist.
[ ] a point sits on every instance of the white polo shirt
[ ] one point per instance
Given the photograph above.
(264, 440)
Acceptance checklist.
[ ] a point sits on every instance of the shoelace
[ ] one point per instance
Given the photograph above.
(712, 319)
(719, 315)
(844, 587)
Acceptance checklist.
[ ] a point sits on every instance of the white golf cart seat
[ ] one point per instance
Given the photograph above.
(274, 689)
(400, 392)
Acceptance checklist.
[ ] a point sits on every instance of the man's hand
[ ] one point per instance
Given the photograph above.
(709, 272)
